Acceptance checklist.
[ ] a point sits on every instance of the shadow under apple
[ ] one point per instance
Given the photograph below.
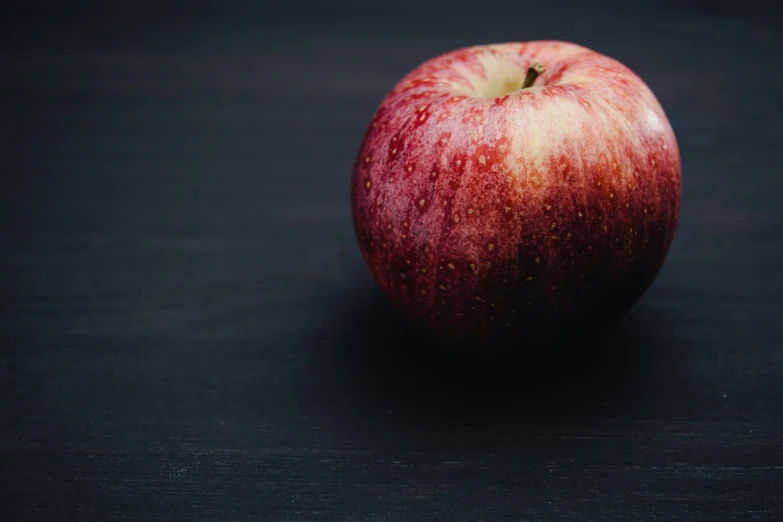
(379, 363)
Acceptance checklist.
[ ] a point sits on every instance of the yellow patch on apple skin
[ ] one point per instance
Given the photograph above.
(494, 73)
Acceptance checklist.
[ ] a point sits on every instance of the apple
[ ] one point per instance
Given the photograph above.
(515, 188)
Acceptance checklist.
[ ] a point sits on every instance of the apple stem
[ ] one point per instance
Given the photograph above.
(535, 69)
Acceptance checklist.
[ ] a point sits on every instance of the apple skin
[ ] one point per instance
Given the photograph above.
(488, 212)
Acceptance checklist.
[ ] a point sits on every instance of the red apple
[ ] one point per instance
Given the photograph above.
(503, 189)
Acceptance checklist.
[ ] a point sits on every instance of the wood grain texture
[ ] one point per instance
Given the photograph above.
(187, 330)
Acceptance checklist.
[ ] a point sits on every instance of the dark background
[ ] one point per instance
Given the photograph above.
(188, 331)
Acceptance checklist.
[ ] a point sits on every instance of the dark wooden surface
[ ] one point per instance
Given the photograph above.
(188, 330)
